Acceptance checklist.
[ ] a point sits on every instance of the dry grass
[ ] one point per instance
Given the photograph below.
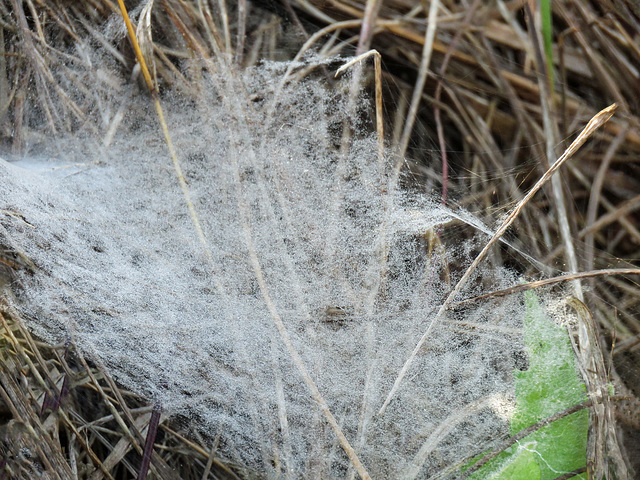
(481, 128)
(63, 416)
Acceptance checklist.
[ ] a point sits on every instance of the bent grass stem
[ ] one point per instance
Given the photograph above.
(594, 124)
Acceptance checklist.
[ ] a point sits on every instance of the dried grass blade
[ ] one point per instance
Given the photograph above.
(548, 281)
(165, 130)
(551, 135)
(616, 214)
(427, 50)
(103, 470)
(151, 438)
(602, 446)
(22, 411)
(378, 82)
(369, 18)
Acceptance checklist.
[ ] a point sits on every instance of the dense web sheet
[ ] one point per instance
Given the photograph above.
(354, 267)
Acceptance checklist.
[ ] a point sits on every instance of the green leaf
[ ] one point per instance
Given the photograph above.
(523, 467)
(512, 465)
(550, 385)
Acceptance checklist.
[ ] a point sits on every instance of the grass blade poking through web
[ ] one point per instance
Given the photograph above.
(549, 385)
(295, 356)
(378, 81)
(596, 122)
(165, 130)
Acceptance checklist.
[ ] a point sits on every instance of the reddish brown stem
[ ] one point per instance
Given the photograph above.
(151, 438)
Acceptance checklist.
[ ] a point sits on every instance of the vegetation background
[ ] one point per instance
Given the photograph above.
(480, 97)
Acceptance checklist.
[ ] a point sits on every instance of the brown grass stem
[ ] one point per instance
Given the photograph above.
(165, 130)
(551, 137)
(436, 105)
(378, 83)
(595, 194)
(546, 282)
(427, 50)
(152, 431)
(603, 448)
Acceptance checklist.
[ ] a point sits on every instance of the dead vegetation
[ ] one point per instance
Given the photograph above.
(468, 96)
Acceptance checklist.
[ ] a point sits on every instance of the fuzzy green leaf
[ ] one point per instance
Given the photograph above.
(516, 463)
(551, 384)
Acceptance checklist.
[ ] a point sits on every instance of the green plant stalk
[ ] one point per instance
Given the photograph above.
(547, 38)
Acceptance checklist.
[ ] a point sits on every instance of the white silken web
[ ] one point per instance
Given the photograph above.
(354, 267)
